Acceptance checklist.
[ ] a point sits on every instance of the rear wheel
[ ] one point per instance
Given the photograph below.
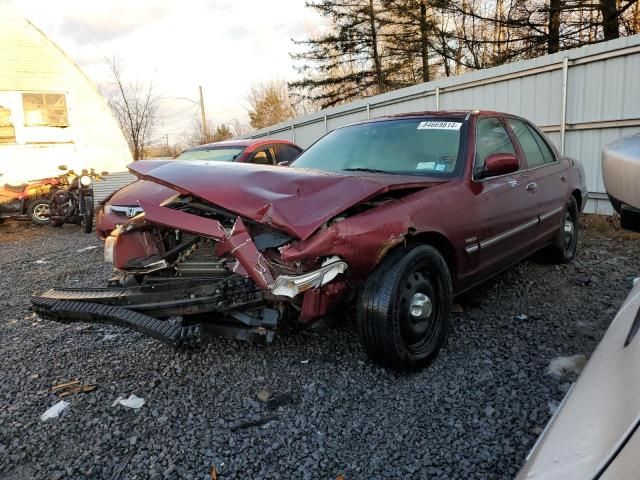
(39, 211)
(403, 308)
(87, 217)
(564, 246)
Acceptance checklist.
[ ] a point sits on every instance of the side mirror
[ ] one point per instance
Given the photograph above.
(62, 167)
(261, 158)
(283, 163)
(500, 164)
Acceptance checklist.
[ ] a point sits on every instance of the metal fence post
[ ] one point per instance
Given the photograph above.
(293, 133)
(437, 98)
(563, 118)
(325, 124)
(368, 112)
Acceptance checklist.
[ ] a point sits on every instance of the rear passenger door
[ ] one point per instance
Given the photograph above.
(548, 176)
(505, 209)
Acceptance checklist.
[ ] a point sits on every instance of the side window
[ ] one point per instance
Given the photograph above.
(45, 109)
(263, 156)
(286, 153)
(491, 137)
(547, 153)
(7, 132)
(532, 146)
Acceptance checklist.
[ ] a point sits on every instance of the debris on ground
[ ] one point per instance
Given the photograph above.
(260, 422)
(561, 366)
(86, 249)
(520, 316)
(71, 388)
(54, 411)
(132, 402)
(213, 472)
(264, 394)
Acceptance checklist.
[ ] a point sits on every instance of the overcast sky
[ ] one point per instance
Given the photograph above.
(223, 45)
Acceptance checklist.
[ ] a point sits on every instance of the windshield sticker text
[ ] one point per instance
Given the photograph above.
(433, 125)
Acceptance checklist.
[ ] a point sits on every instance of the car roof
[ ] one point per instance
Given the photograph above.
(244, 142)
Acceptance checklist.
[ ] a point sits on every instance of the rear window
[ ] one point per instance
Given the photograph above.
(416, 146)
(217, 154)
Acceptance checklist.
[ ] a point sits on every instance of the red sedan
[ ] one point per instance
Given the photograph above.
(123, 204)
(397, 215)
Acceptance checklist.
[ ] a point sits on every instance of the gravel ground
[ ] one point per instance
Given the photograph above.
(475, 413)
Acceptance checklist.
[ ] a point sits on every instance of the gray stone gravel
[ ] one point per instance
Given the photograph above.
(475, 413)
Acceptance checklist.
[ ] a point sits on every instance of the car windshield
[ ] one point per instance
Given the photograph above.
(420, 146)
(218, 154)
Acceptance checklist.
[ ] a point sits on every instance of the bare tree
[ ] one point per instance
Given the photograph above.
(135, 106)
(269, 103)
(196, 135)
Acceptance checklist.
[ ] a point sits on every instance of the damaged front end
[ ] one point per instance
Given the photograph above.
(189, 267)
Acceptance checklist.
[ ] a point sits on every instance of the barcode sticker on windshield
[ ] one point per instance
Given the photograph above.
(434, 125)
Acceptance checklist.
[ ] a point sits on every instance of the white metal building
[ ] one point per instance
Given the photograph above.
(50, 112)
(582, 99)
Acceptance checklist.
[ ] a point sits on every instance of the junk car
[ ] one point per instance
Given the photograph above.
(397, 215)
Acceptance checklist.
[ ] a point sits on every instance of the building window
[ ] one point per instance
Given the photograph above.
(45, 109)
(7, 132)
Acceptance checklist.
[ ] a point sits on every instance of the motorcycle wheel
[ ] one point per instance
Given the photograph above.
(39, 211)
(87, 218)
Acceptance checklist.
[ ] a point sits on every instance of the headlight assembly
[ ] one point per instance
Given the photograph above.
(292, 285)
(85, 180)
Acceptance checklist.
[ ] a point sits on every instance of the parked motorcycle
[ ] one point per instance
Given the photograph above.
(73, 201)
(27, 201)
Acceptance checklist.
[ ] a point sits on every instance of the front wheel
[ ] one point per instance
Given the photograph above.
(87, 216)
(403, 308)
(39, 211)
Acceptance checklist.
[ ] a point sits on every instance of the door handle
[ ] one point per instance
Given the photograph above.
(531, 186)
(563, 177)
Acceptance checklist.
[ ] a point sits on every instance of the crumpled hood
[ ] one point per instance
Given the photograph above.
(141, 189)
(296, 201)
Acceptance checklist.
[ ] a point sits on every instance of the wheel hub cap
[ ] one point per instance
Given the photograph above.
(420, 306)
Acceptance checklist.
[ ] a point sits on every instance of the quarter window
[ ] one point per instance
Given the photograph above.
(286, 153)
(533, 146)
(491, 137)
(45, 109)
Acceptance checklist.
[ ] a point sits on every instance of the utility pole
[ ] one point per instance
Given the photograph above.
(166, 138)
(205, 135)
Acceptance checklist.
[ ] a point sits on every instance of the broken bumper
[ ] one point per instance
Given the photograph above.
(232, 307)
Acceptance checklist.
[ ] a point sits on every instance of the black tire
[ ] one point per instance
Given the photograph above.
(388, 332)
(564, 246)
(87, 217)
(39, 211)
(56, 223)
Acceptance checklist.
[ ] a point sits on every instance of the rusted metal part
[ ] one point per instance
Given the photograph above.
(241, 246)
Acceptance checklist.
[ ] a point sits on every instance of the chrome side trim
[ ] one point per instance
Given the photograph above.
(550, 214)
(472, 248)
(504, 235)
